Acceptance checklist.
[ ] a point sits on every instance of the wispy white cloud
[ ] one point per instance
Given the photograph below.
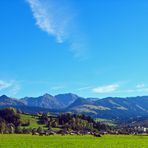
(79, 49)
(140, 85)
(56, 88)
(15, 88)
(84, 88)
(106, 89)
(50, 17)
(57, 18)
(11, 87)
(5, 84)
(139, 88)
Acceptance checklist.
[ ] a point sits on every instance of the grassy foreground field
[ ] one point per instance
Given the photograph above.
(108, 141)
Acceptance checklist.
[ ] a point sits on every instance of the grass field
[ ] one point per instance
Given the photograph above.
(33, 121)
(108, 141)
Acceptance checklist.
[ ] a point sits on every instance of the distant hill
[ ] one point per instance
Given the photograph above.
(107, 108)
(66, 99)
(45, 101)
(5, 100)
(50, 102)
(112, 108)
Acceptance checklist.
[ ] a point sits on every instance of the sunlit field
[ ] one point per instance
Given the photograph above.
(107, 141)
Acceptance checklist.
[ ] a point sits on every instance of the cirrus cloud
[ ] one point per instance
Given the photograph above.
(4, 84)
(51, 17)
(106, 88)
(57, 18)
(11, 87)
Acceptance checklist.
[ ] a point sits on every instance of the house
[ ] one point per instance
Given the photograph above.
(140, 129)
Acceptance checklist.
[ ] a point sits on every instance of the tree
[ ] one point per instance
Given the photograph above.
(43, 119)
(40, 130)
(10, 116)
(26, 131)
(11, 128)
(2, 125)
(18, 130)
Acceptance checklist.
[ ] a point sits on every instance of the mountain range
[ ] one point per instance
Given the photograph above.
(109, 108)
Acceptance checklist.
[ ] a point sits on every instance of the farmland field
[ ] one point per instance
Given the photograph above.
(107, 141)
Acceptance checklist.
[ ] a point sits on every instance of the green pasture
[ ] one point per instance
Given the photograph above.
(107, 141)
(32, 119)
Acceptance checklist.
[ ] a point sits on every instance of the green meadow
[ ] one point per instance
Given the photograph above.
(57, 141)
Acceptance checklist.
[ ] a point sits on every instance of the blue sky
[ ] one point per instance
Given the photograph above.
(93, 48)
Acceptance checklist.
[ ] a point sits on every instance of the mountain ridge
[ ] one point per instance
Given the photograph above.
(109, 107)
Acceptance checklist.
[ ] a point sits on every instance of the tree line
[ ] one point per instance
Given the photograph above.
(10, 122)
